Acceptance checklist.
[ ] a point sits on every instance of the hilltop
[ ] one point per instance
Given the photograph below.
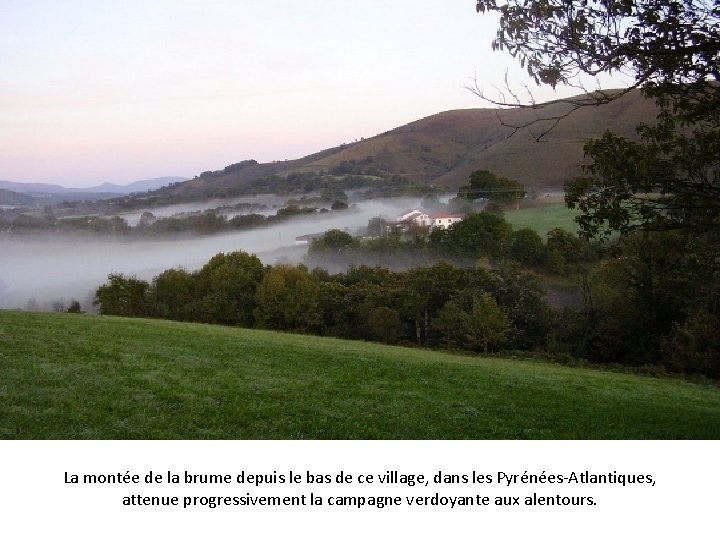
(65, 376)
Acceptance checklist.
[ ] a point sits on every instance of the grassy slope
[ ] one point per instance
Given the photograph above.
(77, 376)
(444, 148)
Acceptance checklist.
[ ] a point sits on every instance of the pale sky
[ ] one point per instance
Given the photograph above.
(123, 90)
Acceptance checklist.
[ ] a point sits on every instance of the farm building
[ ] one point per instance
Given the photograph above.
(421, 218)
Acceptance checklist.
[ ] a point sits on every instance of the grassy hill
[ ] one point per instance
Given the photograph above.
(80, 376)
(443, 149)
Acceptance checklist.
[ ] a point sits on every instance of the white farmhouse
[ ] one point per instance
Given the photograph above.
(422, 218)
(444, 220)
(415, 217)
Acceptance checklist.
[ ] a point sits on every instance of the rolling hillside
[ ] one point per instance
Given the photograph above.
(89, 377)
(443, 149)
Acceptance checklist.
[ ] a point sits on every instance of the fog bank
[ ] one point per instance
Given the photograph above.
(55, 268)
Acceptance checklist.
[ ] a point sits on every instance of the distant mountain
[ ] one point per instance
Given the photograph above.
(140, 185)
(30, 188)
(38, 189)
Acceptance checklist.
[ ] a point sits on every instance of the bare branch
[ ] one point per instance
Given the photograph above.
(583, 99)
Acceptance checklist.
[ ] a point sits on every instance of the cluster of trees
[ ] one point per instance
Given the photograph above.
(207, 222)
(235, 167)
(47, 222)
(348, 175)
(475, 309)
(359, 177)
(655, 297)
(480, 235)
(210, 221)
(647, 303)
(360, 167)
(648, 298)
(485, 184)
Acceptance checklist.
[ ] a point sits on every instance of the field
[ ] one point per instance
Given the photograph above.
(543, 218)
(89, 377)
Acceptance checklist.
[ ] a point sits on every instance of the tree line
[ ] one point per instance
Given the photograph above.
(206, 222)
(480, 235)
(440, 306)
(650, 300)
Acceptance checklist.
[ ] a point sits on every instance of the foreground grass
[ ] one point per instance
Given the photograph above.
(88, 377)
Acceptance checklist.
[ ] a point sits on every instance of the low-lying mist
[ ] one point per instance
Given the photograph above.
(270, 202)
(36, 271)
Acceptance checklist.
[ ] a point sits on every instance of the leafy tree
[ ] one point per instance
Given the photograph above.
(694, 345)
(521, 298)
(339, 205)
(146, 219)
(660, 43)
(478, 235)
(225, 288)
(333, 240)
(246, 221)
(527, 247)
(428, 290)
(654, 297)
(485, 184)
(123, 295)
(287, 299)
(331, 301)
(173, 294)
(486, 324)
(673, 183)
(385, 324)
(450, 322)
(568, 245)
(568, 253)
(478, 326)
(670, 177)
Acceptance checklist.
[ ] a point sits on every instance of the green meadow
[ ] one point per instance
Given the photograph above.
(543, 218)
(66, 376)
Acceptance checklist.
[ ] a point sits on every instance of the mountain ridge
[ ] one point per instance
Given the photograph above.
(106, 187)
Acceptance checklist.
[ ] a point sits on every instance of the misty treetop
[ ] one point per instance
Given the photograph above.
(486, 185)
(362, 303)
(209, 221)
